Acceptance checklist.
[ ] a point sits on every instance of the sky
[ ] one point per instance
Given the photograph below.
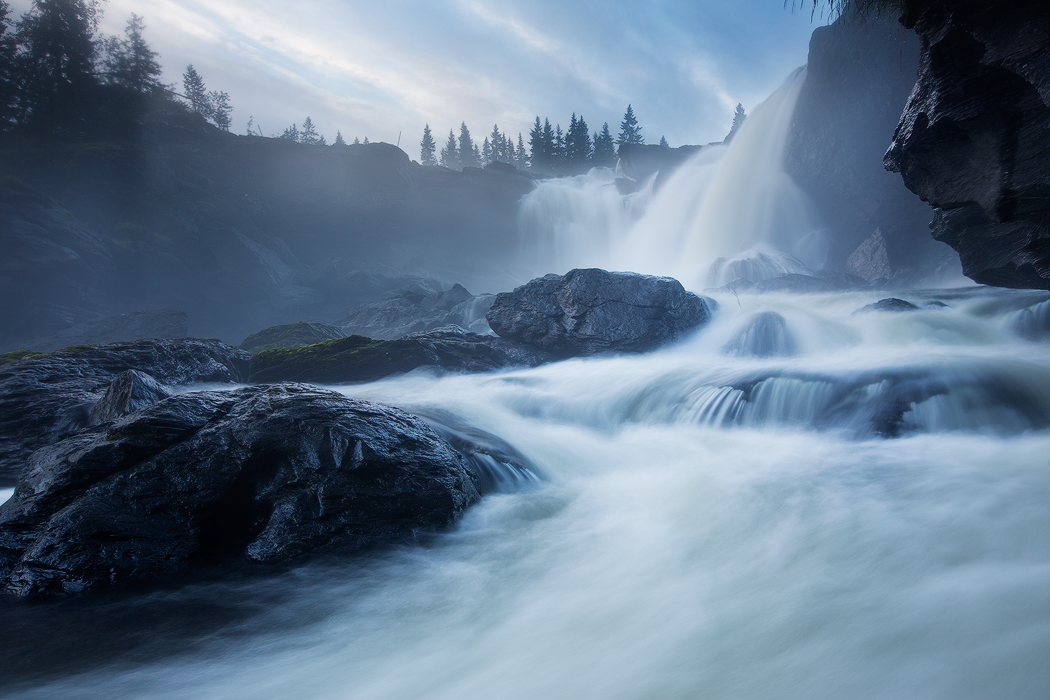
(384, 69)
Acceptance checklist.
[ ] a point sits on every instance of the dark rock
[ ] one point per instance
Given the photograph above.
(137, 325)
(859, 75)
(129, 392)
(639, 162)
(45, 398)
(360, 359)
(974, 140)
(870, 260)
(891, 304)
(766, 335)
(935, 305)
(416, 308)
(292, 335)
(260, 475)
(591, 311)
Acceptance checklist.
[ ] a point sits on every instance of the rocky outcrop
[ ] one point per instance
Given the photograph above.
(860, 72)
(870, 260)
(360, 359)
(418, 307)
(291, 335)
(974, 139)
(590, 311)
(137, 325)
(639, 162)
(129, 392)
(45, 398)
(261, 475)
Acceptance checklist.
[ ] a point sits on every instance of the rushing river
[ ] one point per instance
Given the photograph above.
(862, 512)
(799, 501)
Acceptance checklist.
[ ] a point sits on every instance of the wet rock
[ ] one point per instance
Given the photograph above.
(129, 392)
(870, 260)
(260, 475)
(360, 359)
(291, 335)
(974, 139)
(47, 397)
(766, 335)
(891, 304)
(591, 311)
(1033, 323)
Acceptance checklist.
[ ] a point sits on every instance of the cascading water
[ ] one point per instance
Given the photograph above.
(731, 206)
(805, 499)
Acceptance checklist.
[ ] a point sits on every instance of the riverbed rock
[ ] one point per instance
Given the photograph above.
(591, 311)
(892, 304)
(291, 335)
(974, 139)
(129, 392)
(260, 475)
(360, 359)
(47, 397)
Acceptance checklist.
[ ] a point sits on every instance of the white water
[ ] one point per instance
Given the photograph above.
(725, 202)
(800, 501)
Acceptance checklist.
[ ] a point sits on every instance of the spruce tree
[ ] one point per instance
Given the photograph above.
(467, 150)
(521, 158)
(630, 132)
(338, 139)
(450, 154)
(577, 144)
(427, 147)
(291, 133)
(499, 144)
(738, 121)
(357, 141)
(663, 142)
(536, 145)
(130, 62)
(219, 103)
(194, 92)
(8, 73)
(486, 152)
(308, 135)
(604, 148)
(558, 150)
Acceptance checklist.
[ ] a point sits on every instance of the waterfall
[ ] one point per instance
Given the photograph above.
(729, 206)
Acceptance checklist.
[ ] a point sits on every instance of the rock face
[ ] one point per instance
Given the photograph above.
(591, 311)
(859, 75)
(360, 359)
(870, 261)
(258, 475)
(45, 398)
(136, 325)
(290, 335)
(974, 139)
(129, 392)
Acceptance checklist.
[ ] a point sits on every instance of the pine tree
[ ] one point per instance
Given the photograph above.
(195, 92)
(357, 141)
(630, 132)
(536, 145)
(322, 141)
(738, 121)
(308, 135)
(577, 144)
(291, 133)
(663, 142)
(130, 62)
(8, 74)
(522, 158)
(219, 104)
(558, 150)
(450, 153)
(365, 142)
(250, 131)
(427, 147)
(486, 152)
(338, 139)
(467, 149)
(604, 148)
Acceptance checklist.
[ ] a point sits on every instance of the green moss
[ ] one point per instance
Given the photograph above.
(289, 336)
(15, 355)
(351, 359)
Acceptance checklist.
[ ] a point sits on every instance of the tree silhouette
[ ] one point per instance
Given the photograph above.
(338, 139)
(630, 132)
(195, 93)
(739, 116)
(468, 155)
(449, 154)
(521, 158)
(604, 148)
(308, 134)
(291, 133)
(219, 104)
(427, 147)
(663, 143)
(130, 62)
(8, 74)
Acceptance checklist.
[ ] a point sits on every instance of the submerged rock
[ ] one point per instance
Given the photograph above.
(257, 475)
(891, 304)
(360, 359)
(591, 311)
(46, 397)
(766, 335)
(291, 335)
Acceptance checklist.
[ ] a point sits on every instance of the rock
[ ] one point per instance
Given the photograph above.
(44, 398)
(766, 335)
(360, 359)
(1033, 323)
(891, 304)
(137, 325)
(870, 261)
(639, 162)
(974, 139)
(416, 308)
(292, 335)
(129, 392)
(860, 72)
(591, 311)
(261, 475)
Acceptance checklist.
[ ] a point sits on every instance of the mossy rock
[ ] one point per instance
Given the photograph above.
(292, 335)
(15, 355)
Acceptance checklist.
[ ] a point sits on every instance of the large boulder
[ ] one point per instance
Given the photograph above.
(258, 475)
(360, 359)
(974, 139)
(591, 311)
(46, 397)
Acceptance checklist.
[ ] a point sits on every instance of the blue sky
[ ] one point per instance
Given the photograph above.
(378, 68)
